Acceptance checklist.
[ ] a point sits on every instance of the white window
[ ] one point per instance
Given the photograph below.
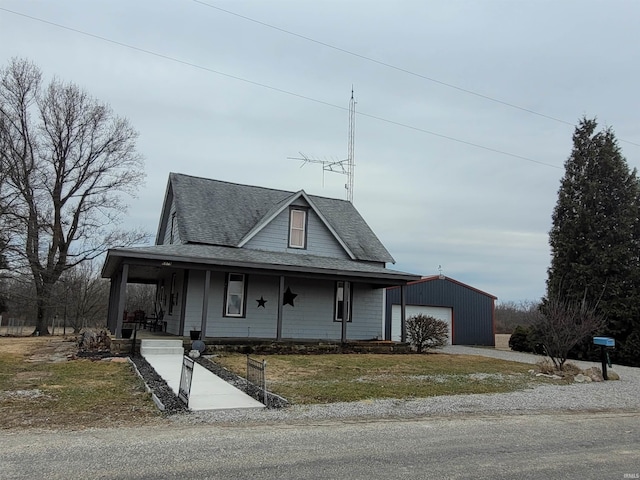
(297, 228)
(235, 303)
(343, 302)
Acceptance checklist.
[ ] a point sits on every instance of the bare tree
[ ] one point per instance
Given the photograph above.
(141, 297)
(510, 315)
(68, 160)
(81, 297)
(562, 325)
(427, 332)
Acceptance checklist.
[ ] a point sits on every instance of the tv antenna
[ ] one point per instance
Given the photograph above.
(343, 167)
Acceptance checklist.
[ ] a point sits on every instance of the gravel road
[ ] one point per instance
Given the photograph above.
(615, 396)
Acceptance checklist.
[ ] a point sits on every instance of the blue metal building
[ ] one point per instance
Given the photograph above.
(469, 312)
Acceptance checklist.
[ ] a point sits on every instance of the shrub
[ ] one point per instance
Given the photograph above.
(519, 341)
(427, 332)
(630, 350)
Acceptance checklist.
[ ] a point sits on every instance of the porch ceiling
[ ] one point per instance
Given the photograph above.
(145, 263)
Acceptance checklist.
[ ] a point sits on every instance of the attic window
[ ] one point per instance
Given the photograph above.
(298, 228)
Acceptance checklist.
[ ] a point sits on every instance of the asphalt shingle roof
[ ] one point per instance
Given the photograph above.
(214, 212)
(242, 257)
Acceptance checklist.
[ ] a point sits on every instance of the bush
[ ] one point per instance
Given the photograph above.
(526, 339)
(519, 341)
(427, 332)
(630, 350)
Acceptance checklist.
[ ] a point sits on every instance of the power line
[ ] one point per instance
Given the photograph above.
(384, 64)
(276, 89)
(394, 67)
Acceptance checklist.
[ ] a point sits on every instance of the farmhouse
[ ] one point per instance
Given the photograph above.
(469, 312)
(240, 261)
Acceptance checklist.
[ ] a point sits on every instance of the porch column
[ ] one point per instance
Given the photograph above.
(346, 310)
(280, 300)
(112, 306)
(403, 317)
(122, 299)
(205, 304)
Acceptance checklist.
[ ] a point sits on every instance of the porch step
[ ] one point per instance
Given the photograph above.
(161, 347)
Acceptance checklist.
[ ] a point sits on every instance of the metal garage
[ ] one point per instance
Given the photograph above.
(469, 312)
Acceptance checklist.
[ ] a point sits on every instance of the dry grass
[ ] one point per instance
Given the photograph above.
(336, 378)
(40, 388)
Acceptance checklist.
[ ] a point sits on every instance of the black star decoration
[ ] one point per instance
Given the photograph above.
(288, 297)
(261, 302)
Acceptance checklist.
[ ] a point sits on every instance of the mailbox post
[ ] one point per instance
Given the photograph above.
(604, 342)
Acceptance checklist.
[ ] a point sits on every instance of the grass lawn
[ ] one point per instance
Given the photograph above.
(306, 379)
(40, 388)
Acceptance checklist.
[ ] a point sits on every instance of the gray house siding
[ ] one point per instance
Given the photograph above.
(473, 311)
(165, 295)
(311, 317)
(275, 237)
(171, 227)
(368, 319)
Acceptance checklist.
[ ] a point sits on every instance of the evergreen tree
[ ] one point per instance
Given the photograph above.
(595, 237)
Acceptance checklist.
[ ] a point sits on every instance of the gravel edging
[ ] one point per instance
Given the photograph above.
(158, 387)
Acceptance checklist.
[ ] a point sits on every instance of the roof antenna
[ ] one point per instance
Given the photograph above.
(346, 166)
(441, 276)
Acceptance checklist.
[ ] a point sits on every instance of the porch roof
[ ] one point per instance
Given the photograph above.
(145, 262)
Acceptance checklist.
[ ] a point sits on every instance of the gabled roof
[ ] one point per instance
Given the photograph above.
(213, 212)
(432, 278)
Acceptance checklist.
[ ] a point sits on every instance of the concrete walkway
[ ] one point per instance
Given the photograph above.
(208, 391)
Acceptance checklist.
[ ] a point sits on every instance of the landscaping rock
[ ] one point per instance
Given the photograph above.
(594, 373)
(580, 378)
(611, 375)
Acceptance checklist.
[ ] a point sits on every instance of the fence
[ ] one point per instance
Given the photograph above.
(185, 380)
(257, 375)
(13, 326)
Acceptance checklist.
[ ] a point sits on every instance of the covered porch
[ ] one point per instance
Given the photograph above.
(231, 295)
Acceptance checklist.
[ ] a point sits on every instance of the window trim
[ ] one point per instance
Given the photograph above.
(173, 222)
(305, 222)
(173, 294)
(335, 301)
(243, 304)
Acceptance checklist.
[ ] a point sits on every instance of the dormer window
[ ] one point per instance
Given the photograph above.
(298, 228)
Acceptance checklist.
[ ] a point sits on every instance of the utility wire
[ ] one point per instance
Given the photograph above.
(276, 89)
(394, 67)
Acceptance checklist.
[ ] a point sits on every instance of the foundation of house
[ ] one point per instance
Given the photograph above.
(269, 346)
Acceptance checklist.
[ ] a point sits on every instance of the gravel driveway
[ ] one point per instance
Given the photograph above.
(619, 396)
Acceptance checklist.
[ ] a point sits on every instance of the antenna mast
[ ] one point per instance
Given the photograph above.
(346, 166)
(350, 158)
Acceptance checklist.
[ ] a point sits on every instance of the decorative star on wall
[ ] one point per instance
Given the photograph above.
(288, 297)
(261, 302)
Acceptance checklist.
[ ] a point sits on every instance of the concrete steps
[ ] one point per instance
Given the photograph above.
(161, 347)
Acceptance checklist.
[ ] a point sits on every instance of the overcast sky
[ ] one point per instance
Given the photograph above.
(230, 90)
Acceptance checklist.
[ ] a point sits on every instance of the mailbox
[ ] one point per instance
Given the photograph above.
(604, 341)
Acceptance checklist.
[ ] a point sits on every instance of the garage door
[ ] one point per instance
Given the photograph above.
(441, 313)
